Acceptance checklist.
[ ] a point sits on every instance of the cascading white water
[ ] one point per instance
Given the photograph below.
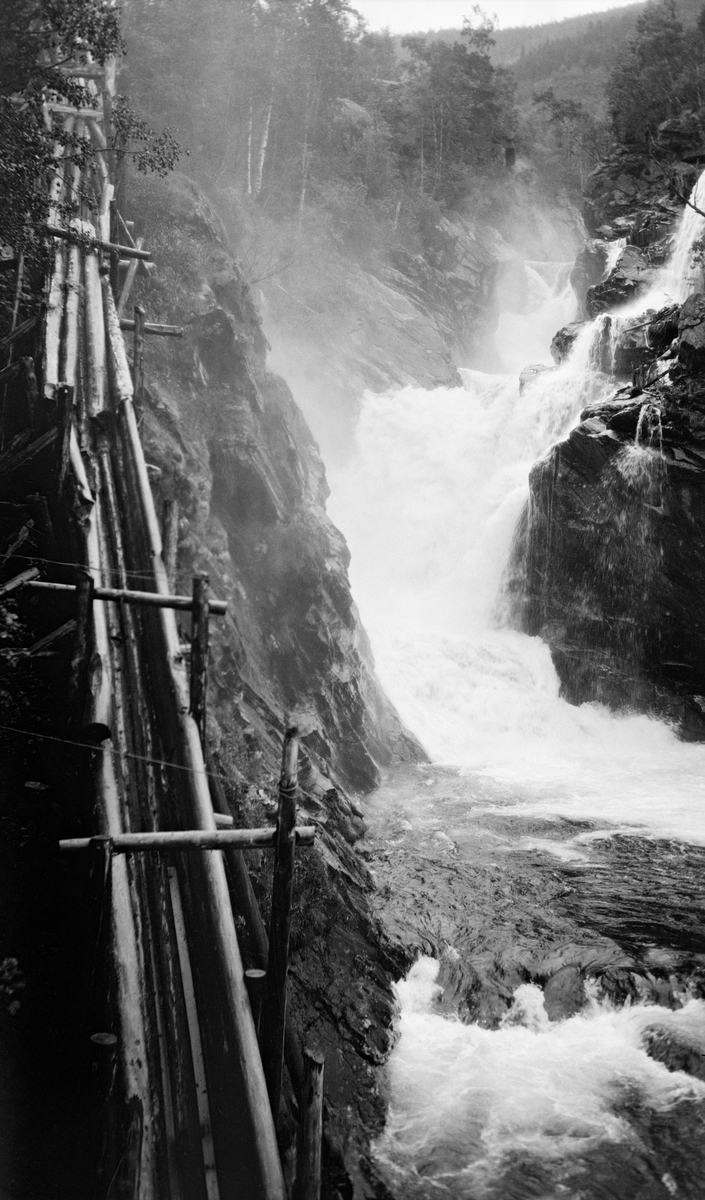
(429, 506)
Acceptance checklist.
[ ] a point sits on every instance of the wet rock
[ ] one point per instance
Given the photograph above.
(589, 269)
(531, 373)
(630, 276)
(691, 334)
(664, 1047)
(608, 570)
(564, 993)
(663, 328)
(564, 341)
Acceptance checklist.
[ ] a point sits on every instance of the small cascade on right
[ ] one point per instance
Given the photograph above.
(679, 277)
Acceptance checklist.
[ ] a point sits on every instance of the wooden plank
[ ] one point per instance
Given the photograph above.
(197, 839)
(153, 599)
(199, 652)
(308, 1158)
(280, 925)
(93, 243)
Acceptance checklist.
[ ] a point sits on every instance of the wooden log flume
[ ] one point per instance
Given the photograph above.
(192, 839)
(151, 599)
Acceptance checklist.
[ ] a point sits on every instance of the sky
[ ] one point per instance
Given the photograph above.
(410, 16)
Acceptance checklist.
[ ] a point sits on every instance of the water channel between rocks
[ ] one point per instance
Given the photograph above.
(546, 871)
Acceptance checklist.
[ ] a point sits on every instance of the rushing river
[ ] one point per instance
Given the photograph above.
(541, 834)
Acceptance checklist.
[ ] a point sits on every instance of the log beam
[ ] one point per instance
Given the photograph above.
(153, 599)
(195, 839)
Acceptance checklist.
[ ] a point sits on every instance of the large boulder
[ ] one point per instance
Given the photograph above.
(691, 334)
(590, 266)
(631, 275)
(564, 341)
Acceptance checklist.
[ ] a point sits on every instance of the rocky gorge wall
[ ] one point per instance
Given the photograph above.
(226, 443)
(609, 561)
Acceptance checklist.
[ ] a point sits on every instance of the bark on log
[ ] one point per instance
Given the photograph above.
(196, 839)
(151, 599)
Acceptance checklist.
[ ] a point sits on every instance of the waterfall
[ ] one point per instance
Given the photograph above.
(429, 505)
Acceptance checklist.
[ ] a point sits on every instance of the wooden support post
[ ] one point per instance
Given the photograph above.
(64, 417)
(199, 652)
(308, 1158)
(138, 357)
(278, 965)
(256, 981)
(81, 647)
(129, 279)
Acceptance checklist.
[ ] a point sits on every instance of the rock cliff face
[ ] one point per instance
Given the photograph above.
(227, 444)
(610, 562)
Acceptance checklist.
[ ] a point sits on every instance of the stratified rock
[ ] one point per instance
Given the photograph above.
(609, 569)
(237, 456)
(564, 341)
(631, 275)
(691, 334)
(663, 328)
(589, 269)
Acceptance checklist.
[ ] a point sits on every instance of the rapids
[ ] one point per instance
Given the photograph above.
(429, 505)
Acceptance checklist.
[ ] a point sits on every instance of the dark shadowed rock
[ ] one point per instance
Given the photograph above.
(564, 341)
(630, 276)
(691, 334)
(609, 570)
(588, 270)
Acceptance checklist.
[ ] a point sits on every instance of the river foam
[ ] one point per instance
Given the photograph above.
(467, 1100)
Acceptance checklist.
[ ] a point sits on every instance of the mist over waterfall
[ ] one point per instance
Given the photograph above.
(430, 504)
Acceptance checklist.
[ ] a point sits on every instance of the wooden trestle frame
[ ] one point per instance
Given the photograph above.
(184, 1024)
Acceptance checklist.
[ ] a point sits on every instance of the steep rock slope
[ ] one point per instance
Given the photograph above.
(610, 560)
(227, 444)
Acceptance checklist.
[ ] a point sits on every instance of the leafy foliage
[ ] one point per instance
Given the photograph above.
(39, 38)
(660, 76)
